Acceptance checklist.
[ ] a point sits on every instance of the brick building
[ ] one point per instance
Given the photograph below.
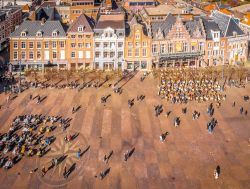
(137, 46)
(80, 42)
(10, 17)
(176, 43)
(37, 44)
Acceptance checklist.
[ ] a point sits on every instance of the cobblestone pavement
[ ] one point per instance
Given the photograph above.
(186, 159)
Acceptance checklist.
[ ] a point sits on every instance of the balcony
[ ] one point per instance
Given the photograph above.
(180, 55)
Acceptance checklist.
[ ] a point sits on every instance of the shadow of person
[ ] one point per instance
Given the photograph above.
(85, 151)
(71, 169)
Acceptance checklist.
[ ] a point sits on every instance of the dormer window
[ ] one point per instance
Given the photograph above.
(216, 35)
(54, 33)
(39, 34)
(80, 28)
(24, 33)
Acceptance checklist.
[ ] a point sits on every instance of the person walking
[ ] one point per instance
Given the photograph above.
(43, 171)
(241, 110)
(246, 113)
(233, 104)
(217, 172)
(31, 97)
(78, 153)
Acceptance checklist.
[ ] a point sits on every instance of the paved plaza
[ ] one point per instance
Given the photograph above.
(185, 160)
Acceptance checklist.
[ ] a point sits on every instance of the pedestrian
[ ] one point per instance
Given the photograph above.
(78, 153)
(234, 104)
(43, 171)
(38, 99)
(217, 172)
(73, 110)
(31, 97)
(246, 113)
(65, 171)
(53, 162)
(105, 158)
(241, 110)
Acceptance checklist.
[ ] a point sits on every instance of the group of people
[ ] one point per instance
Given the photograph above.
(28, 135)
(180, 90)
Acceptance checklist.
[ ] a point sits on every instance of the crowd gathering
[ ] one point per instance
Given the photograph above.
(32, 135)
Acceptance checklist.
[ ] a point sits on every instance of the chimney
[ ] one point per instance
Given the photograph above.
(43, 21)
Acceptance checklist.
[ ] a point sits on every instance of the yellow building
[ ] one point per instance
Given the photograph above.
(137, 47)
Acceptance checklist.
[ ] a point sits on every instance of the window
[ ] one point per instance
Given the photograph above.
(154, 48)
(54, 55)
(61, 43)
(87, 45)
(23, 45)
(216, 35)
(105, 44)
(216, 44)
(80, 36)
(112, 54)
(97, 54)
(15, 55)
(97, 45)
(209, 53)
(23, 34)
(73, 36)
(185, 47)
(137, 44)
(46, 44)
(201, 46)
(80, 28)
(80, 54)
(162, 48)
(62, 54)
(54, 33)
(193, 48)
(209, 44)
(87, 54)
(120, 54)
(15, 44)
(31, 55)
(38, 45)
(31, 45)
(120, 44)
(39, 34)
(144, 52)
(144, 44)
(73, 54)
(222, 43)
(88, 36)
(170, 47)
(129, 52)
(130, 44)
(112, 45)
(137, 52)
(38, 55)
(23, 55)
(80, 45)
(46, 55)
(137, 36)
(73, 45)
(105, 54)
(53, 44)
